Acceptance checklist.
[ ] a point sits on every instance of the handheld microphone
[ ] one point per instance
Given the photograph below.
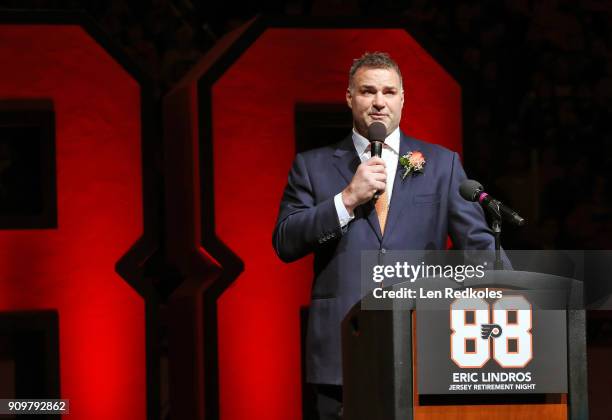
(377, 132)
(474, 191)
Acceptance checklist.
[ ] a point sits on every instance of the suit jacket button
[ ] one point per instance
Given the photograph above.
(383, 250)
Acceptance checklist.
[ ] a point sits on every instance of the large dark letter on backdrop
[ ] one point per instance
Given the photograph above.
(80, 210)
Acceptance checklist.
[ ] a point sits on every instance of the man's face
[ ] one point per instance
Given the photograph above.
(375, 95)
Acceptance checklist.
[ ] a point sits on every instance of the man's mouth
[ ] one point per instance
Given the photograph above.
(378, 116)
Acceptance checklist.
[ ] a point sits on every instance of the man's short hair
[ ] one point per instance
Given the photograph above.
(374, 60)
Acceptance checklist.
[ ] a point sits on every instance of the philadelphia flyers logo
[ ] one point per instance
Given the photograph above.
(490, 330)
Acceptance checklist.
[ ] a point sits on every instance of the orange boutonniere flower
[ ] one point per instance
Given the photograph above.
(413, 163)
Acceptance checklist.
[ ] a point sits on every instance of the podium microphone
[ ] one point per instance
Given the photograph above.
(377, 132)
(474, 191)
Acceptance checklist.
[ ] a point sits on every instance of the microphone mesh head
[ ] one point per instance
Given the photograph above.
(469, 189)
(377, 131)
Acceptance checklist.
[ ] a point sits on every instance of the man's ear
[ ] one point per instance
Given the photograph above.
(349, 97)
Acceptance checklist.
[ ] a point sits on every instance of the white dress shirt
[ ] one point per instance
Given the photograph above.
(390, 154)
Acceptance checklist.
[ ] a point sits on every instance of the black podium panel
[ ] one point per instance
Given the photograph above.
(476, 348)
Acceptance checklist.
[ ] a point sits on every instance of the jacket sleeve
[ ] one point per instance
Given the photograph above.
(468, 228)
(303, 224)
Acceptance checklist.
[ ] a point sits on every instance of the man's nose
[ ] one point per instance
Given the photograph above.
(379, 100)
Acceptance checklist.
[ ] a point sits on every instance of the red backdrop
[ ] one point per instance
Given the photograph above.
(253, 113)
(99, 199)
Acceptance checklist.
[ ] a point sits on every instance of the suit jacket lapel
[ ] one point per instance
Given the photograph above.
(347, 161)
(402, 191)
(369, 211)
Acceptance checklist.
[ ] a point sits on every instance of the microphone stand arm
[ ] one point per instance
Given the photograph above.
(496, 223)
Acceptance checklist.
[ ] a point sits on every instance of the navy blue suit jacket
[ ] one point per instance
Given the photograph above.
(424, 209)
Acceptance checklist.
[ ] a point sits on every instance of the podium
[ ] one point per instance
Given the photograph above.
(380, 353)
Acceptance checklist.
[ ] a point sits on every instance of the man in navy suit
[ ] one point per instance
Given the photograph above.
(328, 208)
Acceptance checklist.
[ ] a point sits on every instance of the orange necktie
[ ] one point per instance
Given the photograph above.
(382, 208)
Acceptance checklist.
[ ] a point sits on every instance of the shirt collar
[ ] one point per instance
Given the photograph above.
(361, 143)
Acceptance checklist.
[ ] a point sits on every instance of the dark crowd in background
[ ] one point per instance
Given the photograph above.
(537, 130)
